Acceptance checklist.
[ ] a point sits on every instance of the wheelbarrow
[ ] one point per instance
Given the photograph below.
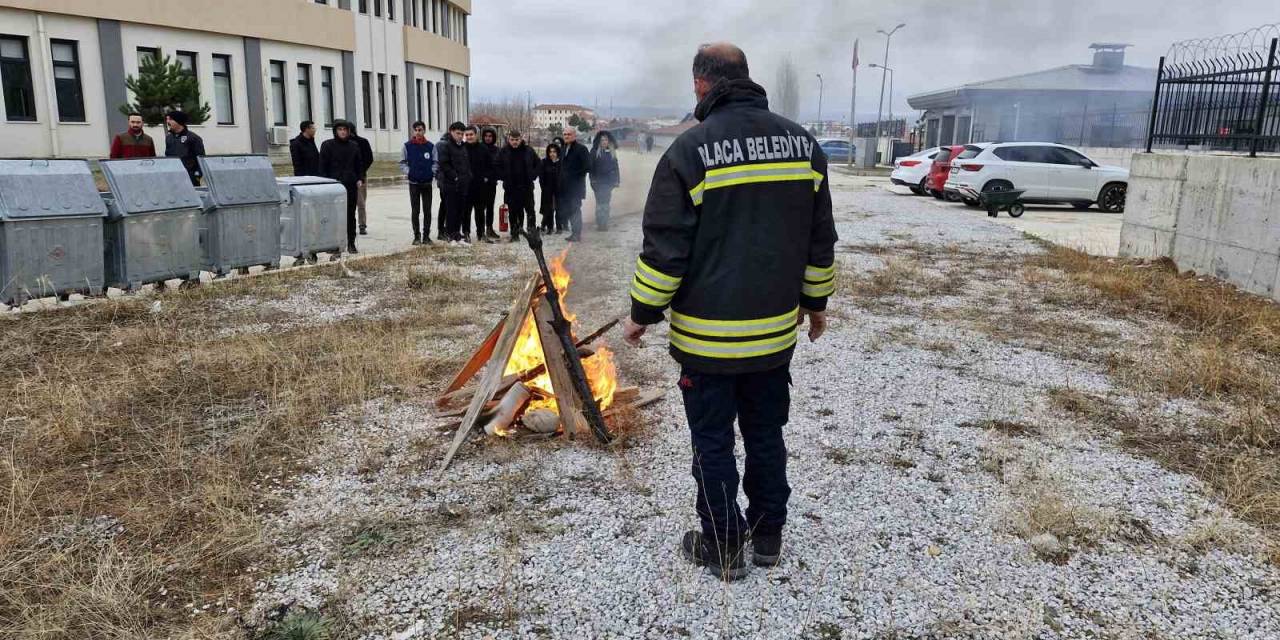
(996, 201)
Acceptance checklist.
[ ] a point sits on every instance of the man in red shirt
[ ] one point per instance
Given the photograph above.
(133, 143)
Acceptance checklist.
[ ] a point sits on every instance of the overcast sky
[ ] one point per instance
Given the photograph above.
(638, 53)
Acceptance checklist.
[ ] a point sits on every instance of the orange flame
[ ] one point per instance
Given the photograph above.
(602, 373)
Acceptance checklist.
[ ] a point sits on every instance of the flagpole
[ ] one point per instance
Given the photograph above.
(853, 105)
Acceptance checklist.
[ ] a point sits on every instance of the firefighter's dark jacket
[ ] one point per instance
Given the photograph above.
(738, 235)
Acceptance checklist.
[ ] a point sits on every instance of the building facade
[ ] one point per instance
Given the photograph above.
(545, 115)
(263, 67)
(1104, 104)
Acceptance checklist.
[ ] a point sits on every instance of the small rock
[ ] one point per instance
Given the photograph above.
(1047, 545)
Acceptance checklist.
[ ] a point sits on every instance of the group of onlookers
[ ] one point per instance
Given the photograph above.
(465, 167)
(468, 167)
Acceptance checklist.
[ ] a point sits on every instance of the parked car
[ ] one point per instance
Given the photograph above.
(1048, 173)
(837, 150)
(913, 170)
(940, 170)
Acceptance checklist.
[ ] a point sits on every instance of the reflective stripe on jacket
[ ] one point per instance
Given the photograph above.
(738, 235)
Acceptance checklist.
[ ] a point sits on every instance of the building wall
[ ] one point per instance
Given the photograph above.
(1216, 215)
(314, 34)
(218, 138)
(73, 139)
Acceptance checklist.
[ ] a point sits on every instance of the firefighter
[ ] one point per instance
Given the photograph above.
(739, 242)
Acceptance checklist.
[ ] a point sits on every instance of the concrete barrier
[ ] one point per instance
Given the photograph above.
(1215, 215)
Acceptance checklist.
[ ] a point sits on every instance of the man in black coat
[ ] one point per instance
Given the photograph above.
(342, 160)
(180, 142)
(518, 168)
(303, 151)
(455, 181)
(573, 184)
(366, 161)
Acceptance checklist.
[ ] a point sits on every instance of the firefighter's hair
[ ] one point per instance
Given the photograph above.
(720, 61)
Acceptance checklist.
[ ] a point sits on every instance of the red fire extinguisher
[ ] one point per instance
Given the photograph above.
(502, 218)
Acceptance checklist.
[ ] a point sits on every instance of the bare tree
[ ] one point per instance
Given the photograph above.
(786, 92)
(515, 111)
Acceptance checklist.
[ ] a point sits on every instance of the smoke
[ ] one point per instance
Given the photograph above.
(786, 95)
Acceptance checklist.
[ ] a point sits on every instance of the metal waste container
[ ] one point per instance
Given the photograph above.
(313, 216)
(241, 221)
(153, 222)
(50, 229)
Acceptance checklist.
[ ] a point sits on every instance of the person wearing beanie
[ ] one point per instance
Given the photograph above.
(342, 160)
(181, 143)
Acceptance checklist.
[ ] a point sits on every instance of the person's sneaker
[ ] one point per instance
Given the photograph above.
(491, 234)
(417, 240)
(574, 238)
(465, 241)
(766, 551)
(726, 564)
(515, 238)
(488, 240)
(364, 231)
(351, 248)
(426, 239)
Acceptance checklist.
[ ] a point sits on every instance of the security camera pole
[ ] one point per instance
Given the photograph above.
(888, 37)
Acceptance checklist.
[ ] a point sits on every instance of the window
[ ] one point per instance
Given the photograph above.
(439, 107)
(222, 89)
(1062, 155)
(15, 74)
(418, 99)
(364, 7)
(431, 111)
(326, 94)
(435, 17)
(413, 13)
(377, 8)
(367, 94)
(391, 10)
(304, 93)
(463, 18)
(66, 80)
(395, 102)
(382, 101)
(278, 105)
(969, 153)
(147, 53)
(188, 61)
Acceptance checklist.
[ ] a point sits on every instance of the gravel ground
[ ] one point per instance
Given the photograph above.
(918, 446)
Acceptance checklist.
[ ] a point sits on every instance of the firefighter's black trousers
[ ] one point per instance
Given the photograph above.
(760, 403)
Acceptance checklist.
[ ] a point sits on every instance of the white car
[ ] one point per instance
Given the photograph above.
(1048, 174)
(912, 170)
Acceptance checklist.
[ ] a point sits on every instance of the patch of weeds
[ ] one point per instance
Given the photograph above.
(299, 626)
(843, 457)
(825, 412)
(825, 631)
(435, 278)
(366, 538)
(469, 616)
(1007, 427)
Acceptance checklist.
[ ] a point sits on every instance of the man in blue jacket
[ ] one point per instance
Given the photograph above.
(417, 163)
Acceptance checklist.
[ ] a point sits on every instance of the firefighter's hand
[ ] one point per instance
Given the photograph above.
(632, 332)
(817, 323)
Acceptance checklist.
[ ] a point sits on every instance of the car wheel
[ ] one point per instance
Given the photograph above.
(1112, 197)
(924, 187)
(916, 190)
(1081, 206)
(937, 194)
(998, 185)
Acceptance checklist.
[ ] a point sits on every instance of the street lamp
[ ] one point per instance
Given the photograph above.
(888, 37)
(820, 89)
(884, 68)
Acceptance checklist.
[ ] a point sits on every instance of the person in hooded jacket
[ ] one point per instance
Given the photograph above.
(605, 176)
(342, 160)
(518, 169)
(417, 163)
(484, 185)
(549, 181)
(182, 143)
(441, 215)
(366, 161)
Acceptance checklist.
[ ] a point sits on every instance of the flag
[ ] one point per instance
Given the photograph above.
(855, 55)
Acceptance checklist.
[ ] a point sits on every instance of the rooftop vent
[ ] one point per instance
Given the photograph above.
(1108, 56)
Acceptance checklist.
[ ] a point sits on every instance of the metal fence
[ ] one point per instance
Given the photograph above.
(1220, 93)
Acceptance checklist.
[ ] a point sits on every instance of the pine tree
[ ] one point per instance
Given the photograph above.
(163, 86)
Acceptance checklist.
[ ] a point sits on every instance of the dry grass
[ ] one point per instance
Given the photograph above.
(904, 277)
(170, 433)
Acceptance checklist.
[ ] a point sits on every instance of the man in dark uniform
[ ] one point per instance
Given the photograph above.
(181, 143)
(455, 182)
(739, 242)
(342, 160)
(518, 169)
